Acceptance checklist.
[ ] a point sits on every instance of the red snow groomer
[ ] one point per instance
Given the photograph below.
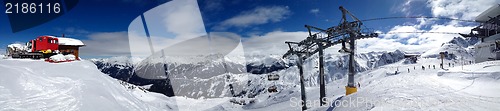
(45, 47)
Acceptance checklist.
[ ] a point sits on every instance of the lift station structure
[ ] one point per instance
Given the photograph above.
(344, 33)
(489, 33)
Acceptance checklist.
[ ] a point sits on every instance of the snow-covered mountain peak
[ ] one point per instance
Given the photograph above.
(456, 48)
(464, 42)
(266, 60)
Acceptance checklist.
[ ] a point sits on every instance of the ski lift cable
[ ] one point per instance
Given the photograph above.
(425, 17)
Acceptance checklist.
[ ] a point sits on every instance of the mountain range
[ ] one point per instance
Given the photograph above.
(209, 76)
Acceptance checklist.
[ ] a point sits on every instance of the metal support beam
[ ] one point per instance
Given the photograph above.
(302, 87)
(350, 78)
(316, 43)
(321, 75)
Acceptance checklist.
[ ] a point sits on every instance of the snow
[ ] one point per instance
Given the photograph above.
(147, 86)
(450, 48)
(69, 41)
(57, 58)
(266, 60)
(70, 57)
(473, 88)
(37, 85)
(16, 46)
(60, 57)
(457, 46)
(418, 90)
(426, 90)
(429, 89)
(119, 60)
(479, 77)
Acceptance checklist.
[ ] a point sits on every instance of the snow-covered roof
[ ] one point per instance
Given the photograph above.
(70, 41)
(490, 12)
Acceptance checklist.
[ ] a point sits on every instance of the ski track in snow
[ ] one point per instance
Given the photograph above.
(419, 90)
(42, 95)
(33, 85)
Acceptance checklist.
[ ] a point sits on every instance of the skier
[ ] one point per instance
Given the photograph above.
(359, 85)
(433, 66)
(408, 70)
(413, 67)
(423, 68)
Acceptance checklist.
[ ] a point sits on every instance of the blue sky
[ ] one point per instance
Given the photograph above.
(106, 20)
(89, 16)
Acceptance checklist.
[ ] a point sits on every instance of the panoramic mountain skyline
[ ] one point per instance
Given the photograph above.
(262, 25)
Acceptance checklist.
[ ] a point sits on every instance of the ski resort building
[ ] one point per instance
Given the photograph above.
(489, 33)
(70, 46)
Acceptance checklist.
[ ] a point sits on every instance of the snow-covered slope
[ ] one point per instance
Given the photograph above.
(473, 88)
(457, 48)
(37, 85)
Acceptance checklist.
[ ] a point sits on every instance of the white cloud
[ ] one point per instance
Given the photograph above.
(462, 9)
(418, 42)
(272, 42)
(406, 7)
(257, 16)
(213, 5)
(106, 44)
(403, 28)
(168, 24)
(314, 11)
(414, 42)
(409, 7)
(181, 20)
(72, 30)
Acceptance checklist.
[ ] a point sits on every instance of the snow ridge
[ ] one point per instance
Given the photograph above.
(78, 85)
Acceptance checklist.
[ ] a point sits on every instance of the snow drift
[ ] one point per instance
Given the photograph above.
(78, 85)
